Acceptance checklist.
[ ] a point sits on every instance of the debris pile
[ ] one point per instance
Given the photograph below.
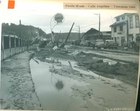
(101, 65)
(108, 67)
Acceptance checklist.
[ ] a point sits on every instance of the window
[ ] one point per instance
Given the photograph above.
(137, 21)
(115, 29)
(118, 18)
(23, 43)
(12, 42)
(20, 42)
(131, 21)
(123, 17)
(115, 39)
(6, 42)
(17, 44)
(121, 28)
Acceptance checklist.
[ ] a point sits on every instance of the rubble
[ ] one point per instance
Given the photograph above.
(55, 68)
(104, 66)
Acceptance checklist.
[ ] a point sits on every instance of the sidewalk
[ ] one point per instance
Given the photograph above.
(18, 91)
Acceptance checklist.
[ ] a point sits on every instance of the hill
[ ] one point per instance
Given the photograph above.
(26, 32)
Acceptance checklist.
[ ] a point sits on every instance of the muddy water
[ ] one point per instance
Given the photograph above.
(73, 93)
(50, 96)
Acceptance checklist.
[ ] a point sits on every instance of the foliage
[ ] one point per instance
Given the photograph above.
(23, 31)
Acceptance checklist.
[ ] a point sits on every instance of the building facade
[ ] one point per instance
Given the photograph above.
(126, 29)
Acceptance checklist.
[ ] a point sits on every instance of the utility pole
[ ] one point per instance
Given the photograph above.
(79, 32)
(19, 22)
(127, 31)
(99, 25)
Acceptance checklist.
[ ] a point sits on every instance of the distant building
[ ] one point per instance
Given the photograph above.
(126, 28)
(92, 35)
(106, 35)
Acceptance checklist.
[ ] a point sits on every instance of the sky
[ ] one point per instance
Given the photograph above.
(40, 13)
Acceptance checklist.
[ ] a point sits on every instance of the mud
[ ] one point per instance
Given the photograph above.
(122, 70)
(79, 89)
(17, 87)
(67, 79)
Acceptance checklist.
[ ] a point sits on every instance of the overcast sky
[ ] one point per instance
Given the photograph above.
(39, 14)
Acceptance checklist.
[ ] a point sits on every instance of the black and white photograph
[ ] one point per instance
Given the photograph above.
(54, 58)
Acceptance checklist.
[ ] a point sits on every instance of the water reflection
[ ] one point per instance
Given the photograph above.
(59, 85)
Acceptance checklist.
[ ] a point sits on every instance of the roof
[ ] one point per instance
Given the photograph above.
(92, 31)
(118, 23)
(126, 14)
(106, 31)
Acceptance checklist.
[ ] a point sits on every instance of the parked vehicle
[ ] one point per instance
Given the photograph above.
(88, 43)
(99, 44)
(110, 44)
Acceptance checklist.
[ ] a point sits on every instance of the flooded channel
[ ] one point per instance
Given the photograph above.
(80, 91)
(53, 90)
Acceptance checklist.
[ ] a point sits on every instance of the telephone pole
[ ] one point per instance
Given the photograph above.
(79, 32)
(99, 24)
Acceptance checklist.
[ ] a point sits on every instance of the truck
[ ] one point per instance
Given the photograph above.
(99, 43)
(110, 44)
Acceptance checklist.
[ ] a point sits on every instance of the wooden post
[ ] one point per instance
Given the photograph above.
(63, 44)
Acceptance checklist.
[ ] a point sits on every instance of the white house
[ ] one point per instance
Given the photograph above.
(126, 28)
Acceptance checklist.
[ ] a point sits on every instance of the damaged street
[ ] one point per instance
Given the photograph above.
(68, 79)
(65, 63)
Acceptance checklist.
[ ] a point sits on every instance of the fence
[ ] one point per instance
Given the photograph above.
(11, 45)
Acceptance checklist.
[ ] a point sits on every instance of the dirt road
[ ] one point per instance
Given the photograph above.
(56, 81)
(17, 87)
(134, 58)
(118, 56)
